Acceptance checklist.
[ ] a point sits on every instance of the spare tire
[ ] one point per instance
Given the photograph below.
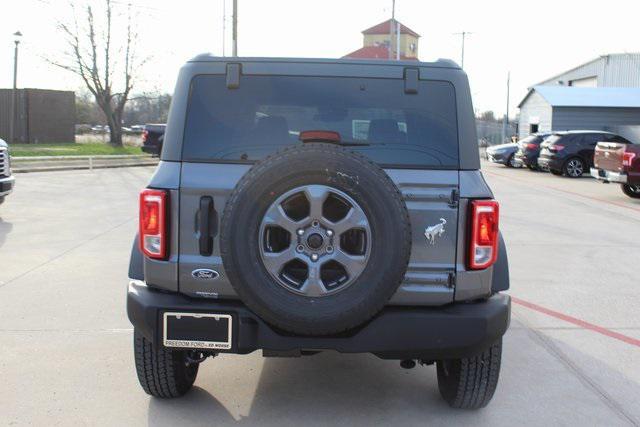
(315, 239)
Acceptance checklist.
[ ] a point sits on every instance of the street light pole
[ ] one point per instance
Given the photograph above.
(235, 28)
(391, 28)
(14, 93)
(505, 123)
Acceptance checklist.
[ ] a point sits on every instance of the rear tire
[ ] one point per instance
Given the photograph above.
(469, 383)
(632, 191)
(2, 200)
(332, 168)
(511, 162)
(574, 167)
(161, 372)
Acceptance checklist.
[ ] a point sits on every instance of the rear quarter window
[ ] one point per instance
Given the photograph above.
(375, 116)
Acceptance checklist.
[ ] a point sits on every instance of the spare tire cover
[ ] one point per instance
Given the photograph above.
(315, 239)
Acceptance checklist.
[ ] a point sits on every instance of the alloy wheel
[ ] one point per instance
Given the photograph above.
(575, 168)
(315, 240)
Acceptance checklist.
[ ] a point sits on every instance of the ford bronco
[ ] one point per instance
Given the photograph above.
(308, 205)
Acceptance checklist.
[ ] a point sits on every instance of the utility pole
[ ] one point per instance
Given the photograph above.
(463, 34)
(505, 123)
(235, 28)
(398, 29)
(14, 93)
(391, 28)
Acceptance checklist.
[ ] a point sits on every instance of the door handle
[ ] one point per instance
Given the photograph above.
(206, 225)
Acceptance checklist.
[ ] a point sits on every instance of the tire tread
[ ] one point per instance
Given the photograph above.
(161, 373)
(472, 381)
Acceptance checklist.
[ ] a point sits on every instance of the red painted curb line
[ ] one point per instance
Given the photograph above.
(586, 325)
(574, 193)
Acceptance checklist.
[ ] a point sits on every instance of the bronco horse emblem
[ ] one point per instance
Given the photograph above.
(435, 230)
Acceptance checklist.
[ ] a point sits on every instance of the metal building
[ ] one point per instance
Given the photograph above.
(42, 116)
(556, 108)
(614, 70)
(602, 94)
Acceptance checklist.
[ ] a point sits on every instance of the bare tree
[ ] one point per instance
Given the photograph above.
(93, 57)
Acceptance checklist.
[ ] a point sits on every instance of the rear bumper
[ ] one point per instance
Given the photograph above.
(498, 158)
(151, 149)
(527, 159)
(547, 163)
(452, 331)
(6, 185)
(609, 176)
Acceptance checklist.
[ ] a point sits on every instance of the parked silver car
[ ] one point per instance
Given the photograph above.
(504, 154)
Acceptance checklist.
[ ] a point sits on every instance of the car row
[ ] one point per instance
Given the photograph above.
(604, 155)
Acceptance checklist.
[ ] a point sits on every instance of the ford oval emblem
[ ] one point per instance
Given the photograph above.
(205, 274)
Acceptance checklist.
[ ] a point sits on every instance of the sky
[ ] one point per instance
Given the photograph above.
(533, 40)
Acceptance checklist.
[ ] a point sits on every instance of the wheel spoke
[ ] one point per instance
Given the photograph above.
(277, 216)
(274, 261)
(313, 286)
(353, 264)
(355, 218)
(316, 195)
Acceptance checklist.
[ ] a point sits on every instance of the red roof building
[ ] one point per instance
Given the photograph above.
(376, 42)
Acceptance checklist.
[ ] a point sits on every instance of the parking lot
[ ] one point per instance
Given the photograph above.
(571, 356)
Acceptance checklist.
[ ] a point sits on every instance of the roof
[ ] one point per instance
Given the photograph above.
(374, 52)
(581, 131)
(570, 96)
(385, 28)
(210, 58)
(599, 58)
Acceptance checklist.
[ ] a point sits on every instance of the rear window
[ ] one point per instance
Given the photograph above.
(267, 113)
(531, 139)
(553, 139)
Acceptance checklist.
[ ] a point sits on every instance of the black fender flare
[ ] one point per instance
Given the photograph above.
(136, 261)
(500, 278)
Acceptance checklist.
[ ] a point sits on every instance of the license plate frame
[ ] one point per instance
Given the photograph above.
(197, 331)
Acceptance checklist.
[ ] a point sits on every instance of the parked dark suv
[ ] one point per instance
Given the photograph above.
(529, 150)
(152, 138)
(307, 205)
(570, 153)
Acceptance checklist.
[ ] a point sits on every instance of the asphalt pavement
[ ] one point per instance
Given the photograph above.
(571, 356)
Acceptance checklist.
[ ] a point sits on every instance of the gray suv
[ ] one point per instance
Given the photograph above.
(308, 205)
(6, 179)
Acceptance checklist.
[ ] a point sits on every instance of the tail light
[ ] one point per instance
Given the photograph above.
(153, 223)
(627, 158)
(531, 146)
(556, 147)
(145, 135)
(483, 245)
(319, 135)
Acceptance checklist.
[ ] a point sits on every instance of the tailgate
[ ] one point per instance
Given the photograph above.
(608, 156)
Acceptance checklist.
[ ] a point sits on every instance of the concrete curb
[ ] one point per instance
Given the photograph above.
(65, 163)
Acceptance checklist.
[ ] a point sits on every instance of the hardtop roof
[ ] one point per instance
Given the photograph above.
(440, 63)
